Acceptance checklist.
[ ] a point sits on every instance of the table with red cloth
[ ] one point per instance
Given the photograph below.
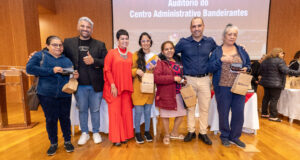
(251, 121)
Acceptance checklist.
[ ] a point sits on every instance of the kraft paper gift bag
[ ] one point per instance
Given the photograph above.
(288, 82)
(71, 86)
(188, 95)
(295, 83)
(241, 84)
(147, 85)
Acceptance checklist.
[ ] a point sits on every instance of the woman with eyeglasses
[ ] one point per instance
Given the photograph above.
(48, 65)
(144, 61)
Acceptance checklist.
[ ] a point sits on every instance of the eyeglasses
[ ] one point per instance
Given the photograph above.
(145, 41)
(56, 45)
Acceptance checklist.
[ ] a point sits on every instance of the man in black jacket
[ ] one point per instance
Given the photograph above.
(87, 55)
(255, 73)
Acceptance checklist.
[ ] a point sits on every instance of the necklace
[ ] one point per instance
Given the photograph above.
(123, 55)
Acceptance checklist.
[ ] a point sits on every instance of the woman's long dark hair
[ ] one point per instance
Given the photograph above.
(141, 54)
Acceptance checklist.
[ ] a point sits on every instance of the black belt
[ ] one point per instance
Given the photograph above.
(197, 75)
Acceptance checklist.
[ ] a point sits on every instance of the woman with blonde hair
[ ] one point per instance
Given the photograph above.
(273, 71)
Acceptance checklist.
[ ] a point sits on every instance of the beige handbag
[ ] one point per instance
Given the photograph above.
(241, 84)
(71, 86)
(295, 82)
(147, 84)
(188, 95)
(288, 82)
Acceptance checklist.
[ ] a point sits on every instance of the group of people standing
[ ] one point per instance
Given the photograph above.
(116, 76)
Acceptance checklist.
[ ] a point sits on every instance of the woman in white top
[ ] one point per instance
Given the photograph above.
(144, 61)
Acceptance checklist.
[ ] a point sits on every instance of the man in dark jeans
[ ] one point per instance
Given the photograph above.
(195, 51)
(87, 55)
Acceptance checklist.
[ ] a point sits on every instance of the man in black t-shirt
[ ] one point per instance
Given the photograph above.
(87, 55)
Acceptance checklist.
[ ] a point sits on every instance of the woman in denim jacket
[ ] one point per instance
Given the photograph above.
(225, 63)
(48, 65)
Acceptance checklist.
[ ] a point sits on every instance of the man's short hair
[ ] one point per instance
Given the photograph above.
(194, 18)
(87, 19)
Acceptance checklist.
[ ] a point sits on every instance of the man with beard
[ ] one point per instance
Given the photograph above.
(87, 55)
(195, 51)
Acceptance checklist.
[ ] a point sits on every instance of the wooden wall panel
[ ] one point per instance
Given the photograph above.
(32, 29)
(6, 41)
(19, 24)
(64, 22)
(284, 27)
(47, 5)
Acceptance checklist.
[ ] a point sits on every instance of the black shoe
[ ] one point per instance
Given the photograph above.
(138, 138)
(238, 142)
(117, 144)
(124, 142)
(275, 119)
(148, 137)
(225, 142)
(205, 138)
(69, 147)
(52, 149)
(189, 136)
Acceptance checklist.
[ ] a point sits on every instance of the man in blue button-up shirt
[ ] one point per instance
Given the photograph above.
(195, 51)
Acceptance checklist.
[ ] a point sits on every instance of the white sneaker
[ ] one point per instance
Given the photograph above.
(97, 138)
(83, 138)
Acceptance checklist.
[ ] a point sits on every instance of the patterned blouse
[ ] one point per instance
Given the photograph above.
(227, 76)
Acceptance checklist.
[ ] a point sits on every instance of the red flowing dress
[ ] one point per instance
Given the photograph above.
(117, 70)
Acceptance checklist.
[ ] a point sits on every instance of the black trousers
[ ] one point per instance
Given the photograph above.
(270, 101)
(57, 109)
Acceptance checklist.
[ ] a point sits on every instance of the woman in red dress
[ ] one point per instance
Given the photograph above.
(118, 89)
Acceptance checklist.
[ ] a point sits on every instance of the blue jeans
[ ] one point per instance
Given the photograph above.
(139, 110)
(87, 99)
(227, 100)
(57, 109)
